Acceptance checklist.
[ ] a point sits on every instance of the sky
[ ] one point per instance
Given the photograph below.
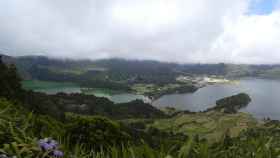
(262, 7)
(184, 31)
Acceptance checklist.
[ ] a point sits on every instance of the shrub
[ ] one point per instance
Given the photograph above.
(94, 131)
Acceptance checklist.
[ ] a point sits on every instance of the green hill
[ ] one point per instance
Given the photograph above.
(36, 125)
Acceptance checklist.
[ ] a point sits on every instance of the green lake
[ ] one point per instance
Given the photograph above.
(56, 87)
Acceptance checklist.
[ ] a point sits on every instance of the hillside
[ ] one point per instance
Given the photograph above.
(142, 71)
(30, 127)
(211, 125)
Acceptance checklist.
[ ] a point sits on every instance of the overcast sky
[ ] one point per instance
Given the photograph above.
(205, 31)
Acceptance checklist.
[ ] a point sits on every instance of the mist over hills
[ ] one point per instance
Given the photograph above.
(140, 79)
(39, 67)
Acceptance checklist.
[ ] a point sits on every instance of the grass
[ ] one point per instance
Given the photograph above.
(211, 125)
(18, 128)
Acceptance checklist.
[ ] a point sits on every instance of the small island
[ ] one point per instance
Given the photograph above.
(232, 104)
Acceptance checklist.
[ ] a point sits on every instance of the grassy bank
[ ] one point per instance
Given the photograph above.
(211, 125)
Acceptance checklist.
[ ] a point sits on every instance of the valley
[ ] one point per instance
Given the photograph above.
(140, 79)
(157, 109)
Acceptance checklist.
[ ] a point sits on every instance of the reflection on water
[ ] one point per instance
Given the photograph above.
(265, 96)
(117, 98)
(127, 97)
(67, 90)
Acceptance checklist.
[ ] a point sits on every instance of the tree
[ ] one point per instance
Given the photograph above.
(10, 86)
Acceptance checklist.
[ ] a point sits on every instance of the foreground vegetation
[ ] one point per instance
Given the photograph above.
(92, 136)
(35, 125)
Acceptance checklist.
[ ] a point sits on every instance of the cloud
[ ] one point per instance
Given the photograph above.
(251, 39)
(166, 30)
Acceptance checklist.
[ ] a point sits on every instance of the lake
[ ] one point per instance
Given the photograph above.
(116, 97)
(265, 96)
(50, 87)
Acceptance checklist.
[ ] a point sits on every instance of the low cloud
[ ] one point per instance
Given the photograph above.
(166, 30)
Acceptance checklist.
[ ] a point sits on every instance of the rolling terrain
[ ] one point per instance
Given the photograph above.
(90, 126)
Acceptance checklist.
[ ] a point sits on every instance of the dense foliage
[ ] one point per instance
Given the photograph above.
(9, 81)
(112, 74)
(232, 104)
(56, 105)
(94, 132)
(19, 137)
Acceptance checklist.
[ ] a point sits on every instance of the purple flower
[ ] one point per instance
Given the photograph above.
(53, 143)
(57, 153)
(41, 142)
(47, 146)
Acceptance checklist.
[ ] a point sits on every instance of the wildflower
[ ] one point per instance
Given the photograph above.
(41, 142)
(53, 143)
(50, 144)
(57, 153)
(47, 144)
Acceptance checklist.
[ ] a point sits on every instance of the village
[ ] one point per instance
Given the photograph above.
(201, 81)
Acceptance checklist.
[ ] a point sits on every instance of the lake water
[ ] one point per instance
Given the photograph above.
(67, 90)
(116, 98)
(265, 96)
(127, 97)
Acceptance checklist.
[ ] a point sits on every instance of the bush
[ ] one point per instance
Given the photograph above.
(94, 131)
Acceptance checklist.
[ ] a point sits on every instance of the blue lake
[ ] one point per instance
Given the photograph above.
(265, 96)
